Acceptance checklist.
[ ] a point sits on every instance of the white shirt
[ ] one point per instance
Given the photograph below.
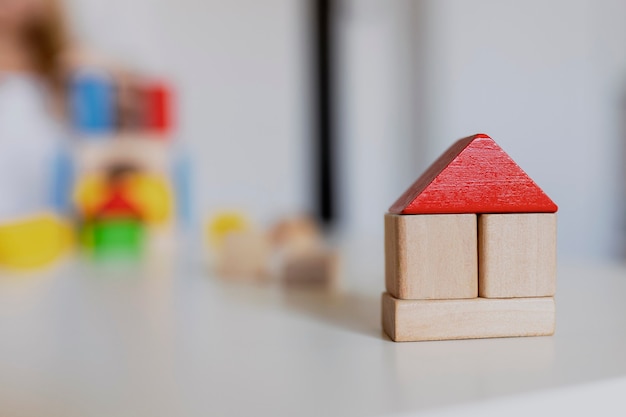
(30, 141)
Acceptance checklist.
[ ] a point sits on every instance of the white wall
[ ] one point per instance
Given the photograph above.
(376, 122)
(544, 78)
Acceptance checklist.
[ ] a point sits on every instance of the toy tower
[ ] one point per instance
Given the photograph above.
(470, 250)
(129, 187)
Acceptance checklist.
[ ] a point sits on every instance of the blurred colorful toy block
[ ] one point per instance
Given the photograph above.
(125, 181)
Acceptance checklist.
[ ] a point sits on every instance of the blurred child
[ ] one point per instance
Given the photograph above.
(32, 44)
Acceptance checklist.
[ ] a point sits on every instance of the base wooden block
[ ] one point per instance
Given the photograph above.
(517, 255)
(431, 256)
(420, 320)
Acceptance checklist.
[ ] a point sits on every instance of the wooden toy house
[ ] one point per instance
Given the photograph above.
(470, 250)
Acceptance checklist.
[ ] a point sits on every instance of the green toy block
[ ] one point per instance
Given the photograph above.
(118, 238)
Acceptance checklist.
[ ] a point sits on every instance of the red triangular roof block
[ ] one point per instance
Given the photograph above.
(118, 206)
(474, 176)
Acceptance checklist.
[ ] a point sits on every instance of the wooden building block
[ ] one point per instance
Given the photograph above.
(431, 256)
(474, 176)
(419, 320)
(244, 255)
(517, 255)
(145, 151)
(311, 269)
(296, 234)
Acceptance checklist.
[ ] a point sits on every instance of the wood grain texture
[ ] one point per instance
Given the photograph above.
(431, 256)
(420, 320)
(474, 176)
(517, 255)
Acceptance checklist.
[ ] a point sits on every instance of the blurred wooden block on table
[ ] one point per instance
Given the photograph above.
(297, 233)
(244, 255)
(314, 269)
(301, 256)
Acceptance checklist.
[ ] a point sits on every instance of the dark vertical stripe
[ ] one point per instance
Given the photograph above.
(323, 61)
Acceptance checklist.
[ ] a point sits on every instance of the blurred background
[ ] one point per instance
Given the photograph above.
(405, 79)
(269, 138)
(333, 108)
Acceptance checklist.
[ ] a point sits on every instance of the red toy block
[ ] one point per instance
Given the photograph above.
(474, 176)
(118, 206)
(159, 108)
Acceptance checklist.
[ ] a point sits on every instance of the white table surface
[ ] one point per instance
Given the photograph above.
(174, 341)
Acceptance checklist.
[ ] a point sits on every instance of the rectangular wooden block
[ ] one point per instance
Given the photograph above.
(311, 269)
(143, 151)
(420, 320)
(244, 255)
(517, 255)
(431, 256)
